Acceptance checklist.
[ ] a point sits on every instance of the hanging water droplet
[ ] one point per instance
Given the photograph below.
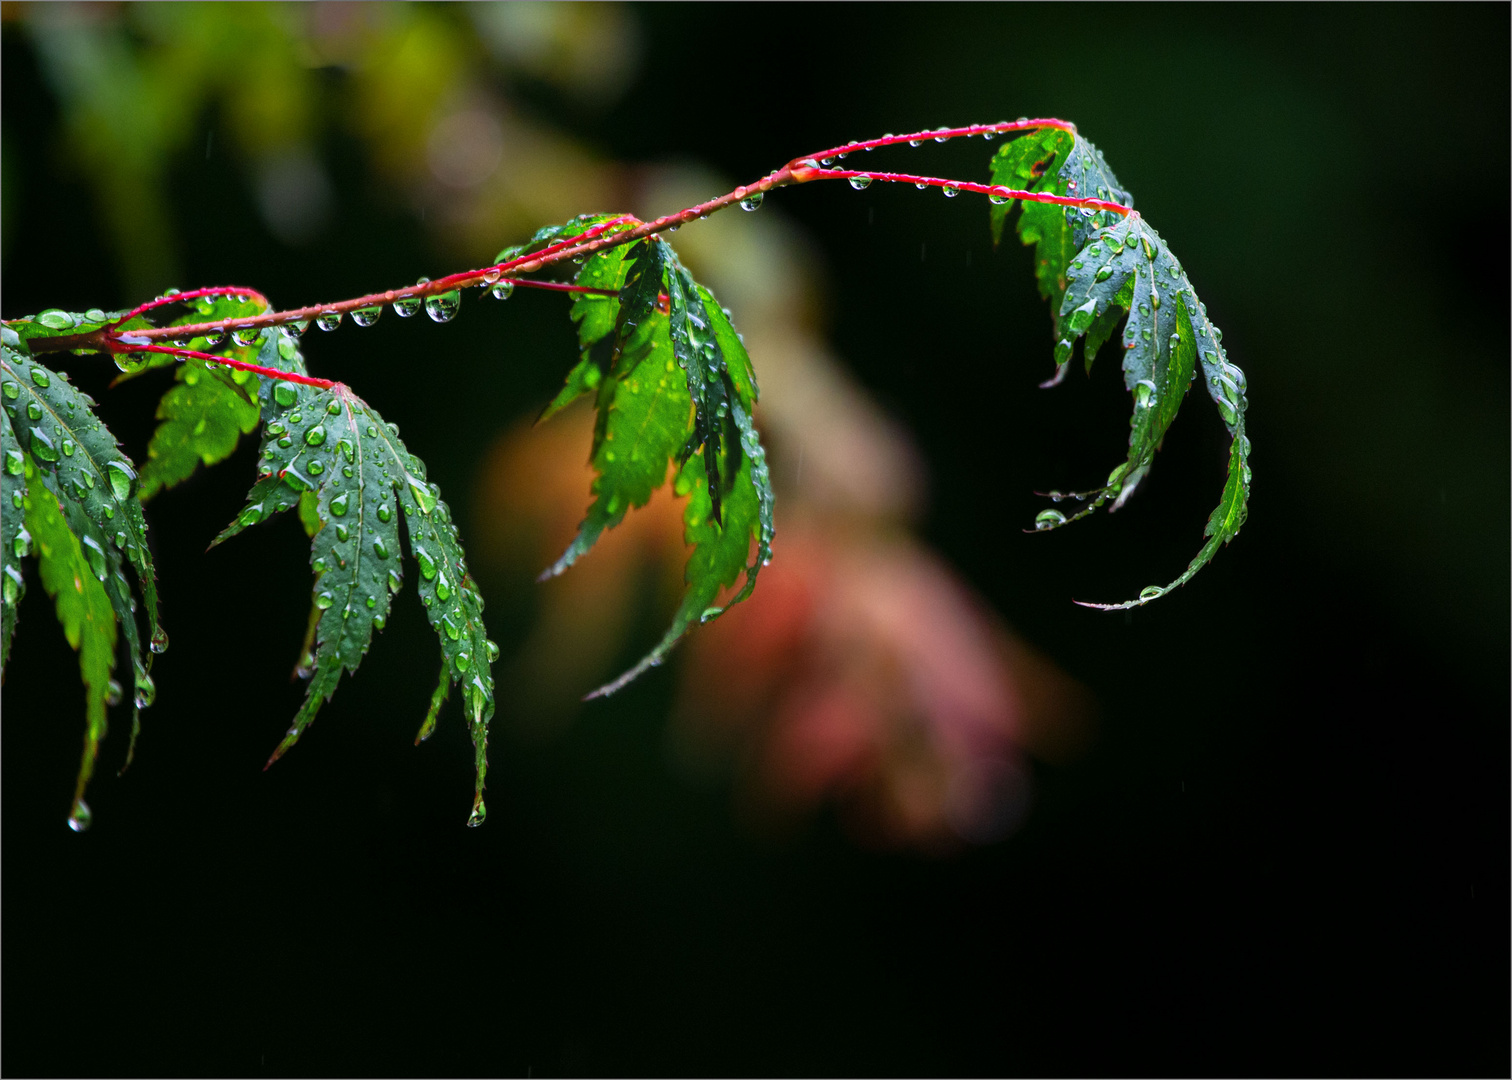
(328, 320)
(752, 201)
(479, 812)
(860, 183)
(941, 138)
(443, 307)
(214, 339)
(493, 651)
(951, 191)
(367, 316)
(145, 692)
(1048, 519)
(159, 642)
(998, 196)
(503, 290)
(1151, 593)
(246, 336)
(81, 817)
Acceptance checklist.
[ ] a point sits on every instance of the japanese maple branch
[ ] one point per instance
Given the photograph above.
(617, 231)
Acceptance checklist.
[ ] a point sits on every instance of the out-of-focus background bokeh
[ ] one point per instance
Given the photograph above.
(908, 810)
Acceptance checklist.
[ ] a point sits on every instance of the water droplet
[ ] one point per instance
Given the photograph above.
(941, 138)
(246, 336)
(316, 435)
(15, 462)
(443, 307)
(250, 516)
(751, 201)
(55, 319)
(1151, 593)
(915, 142)
(427, 565)
(367, 316)
(380, 548)
(493, 651)
(42, 446)
(1082, 317)
(81, 817)
(422, 495)
(316, 468)
(860, 183)
(339, 505)
(1048, 519)
(34, 410)
(159, 643)
(294, 479)
(342, 533)
(1104, 272)
(998, 196)
(300, 325)
(384, 513)
(479, 812)
(214, 339)
(443, 589)
(328, 320)
(39, 377)
(21, 545)
(12, 390)
(285, 393)
(503, 290)
(324, 601)
(951, 191)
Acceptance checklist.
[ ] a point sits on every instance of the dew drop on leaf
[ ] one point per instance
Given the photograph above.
(40, 377)
(55, 319)
(285, 393)
(122, 478)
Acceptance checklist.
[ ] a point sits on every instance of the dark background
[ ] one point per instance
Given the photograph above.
(1287, 853)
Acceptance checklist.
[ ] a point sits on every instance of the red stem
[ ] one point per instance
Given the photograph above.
(240, 365)
(940, 136)
(195, 294)
(803, 174)
(605, 234)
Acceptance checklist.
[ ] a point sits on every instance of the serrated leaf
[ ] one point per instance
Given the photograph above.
(1129, 268)
(1054, 162)
(720, 550)
(643, 407)
(204, 415)
(329, 446)
(674, 352)
(84, 611)
(15, 541)
(80, 464)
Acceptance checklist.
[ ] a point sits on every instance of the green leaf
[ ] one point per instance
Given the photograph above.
(329, 445)
(1055, 162)
(720, 550)
(673, 348)
(643, 407)
(204, 415)
(15, 541)
(1127, 271)
(85, 612)
(80, 464)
